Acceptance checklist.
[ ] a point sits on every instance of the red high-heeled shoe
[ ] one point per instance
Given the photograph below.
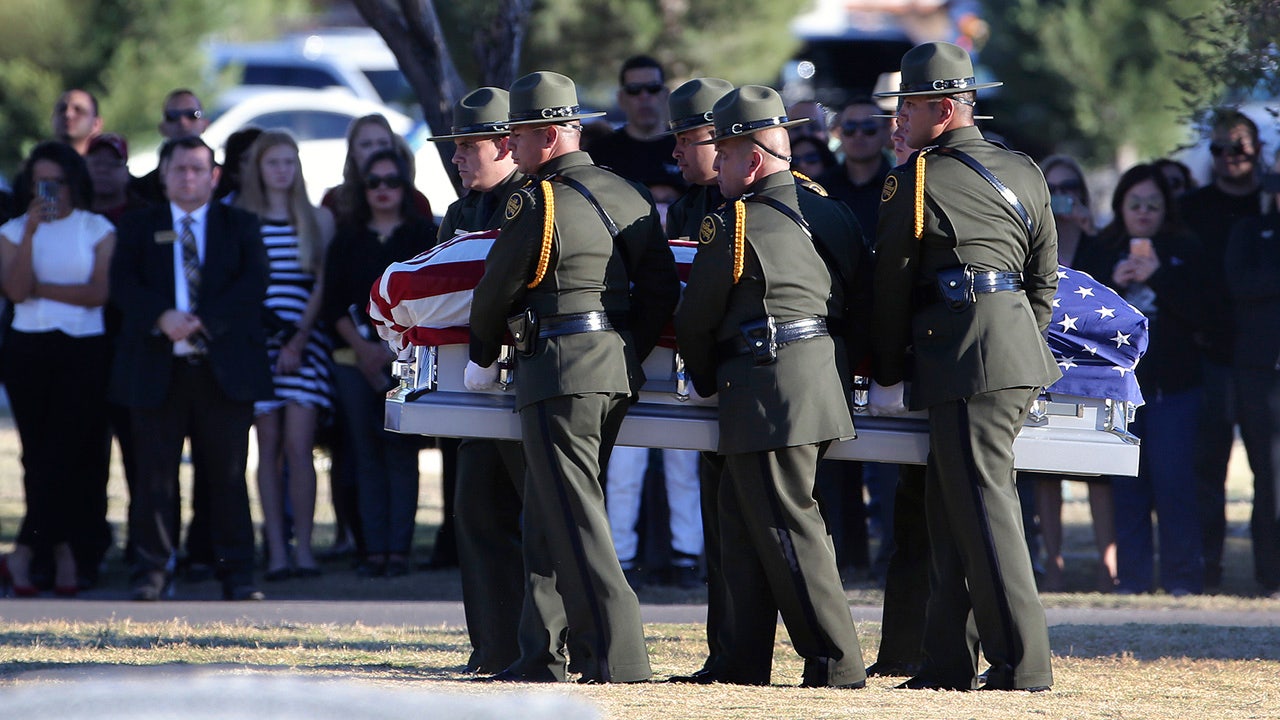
(6, 580)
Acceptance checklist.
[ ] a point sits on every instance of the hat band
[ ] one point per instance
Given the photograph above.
(692, 121)
(550, 113)
(489, 127)
(739, 128)
(955, 84)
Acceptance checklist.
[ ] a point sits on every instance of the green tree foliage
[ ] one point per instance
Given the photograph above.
(1235, 48)
(1105, 80)
(740, 40)
(129, 53)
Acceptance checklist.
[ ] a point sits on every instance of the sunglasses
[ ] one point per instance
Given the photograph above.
(634, 89)
(866, 127)
(1066, 186)
(392, 182)
(176, 115)
(1235, 149)
(1148, 205)
(809, 157)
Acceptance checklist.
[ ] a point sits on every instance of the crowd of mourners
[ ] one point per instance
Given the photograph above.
(87, 251)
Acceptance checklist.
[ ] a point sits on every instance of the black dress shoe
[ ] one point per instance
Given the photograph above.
(277, 575)
(892, 669)
(922, 682)
(241, 593)
(1008, 687)
(513, 676)
(701, 677)
(857, 685)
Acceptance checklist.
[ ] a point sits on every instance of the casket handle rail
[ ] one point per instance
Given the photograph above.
(1119, 415)
(417, 373)
(682, 378)
(507, 366)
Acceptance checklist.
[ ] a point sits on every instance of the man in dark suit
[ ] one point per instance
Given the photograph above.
(582, 251)
(966, 269)
(752, 327)
(189, 278)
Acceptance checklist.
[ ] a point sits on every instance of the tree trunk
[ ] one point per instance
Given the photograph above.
(498, 44)
(412, 30)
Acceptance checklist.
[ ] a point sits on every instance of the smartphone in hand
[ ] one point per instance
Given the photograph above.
(1140, 248)
(48, 192)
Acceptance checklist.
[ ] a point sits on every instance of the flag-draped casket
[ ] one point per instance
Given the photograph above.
(421, 306)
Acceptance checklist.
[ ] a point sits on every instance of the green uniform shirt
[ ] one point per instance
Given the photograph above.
(478, 210)
(632, 277)
(797, 400)
(998, 342)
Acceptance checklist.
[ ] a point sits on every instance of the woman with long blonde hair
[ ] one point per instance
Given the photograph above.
(296, 236)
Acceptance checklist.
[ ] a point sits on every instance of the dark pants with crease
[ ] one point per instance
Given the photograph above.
(195, 407)
(778, 558)
(1258, 411)
(575, 583)
(982, 589)
(488, 499)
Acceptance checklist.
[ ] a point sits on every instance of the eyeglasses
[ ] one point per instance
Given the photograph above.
(392, 182)
(1066, 186)
(634, 89)
(1148, 205)
(809, 157)
(866, 127)
(1235, 149)
(176, 115)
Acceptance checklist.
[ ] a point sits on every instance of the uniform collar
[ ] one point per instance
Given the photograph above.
(960, 134)
(779, 179)
(561, 162)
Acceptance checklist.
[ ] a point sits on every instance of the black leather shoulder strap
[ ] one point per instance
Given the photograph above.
(823, 251)
(609, 224)
(1009, 195)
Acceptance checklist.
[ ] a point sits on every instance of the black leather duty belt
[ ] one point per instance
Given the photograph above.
(983, 282)
(573, 323)
(787, 332)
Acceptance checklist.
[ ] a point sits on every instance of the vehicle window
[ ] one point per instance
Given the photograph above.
(306, 124)
(289, 75)
(392, 87)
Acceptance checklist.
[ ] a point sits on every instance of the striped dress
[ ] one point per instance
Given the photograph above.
(288, 291)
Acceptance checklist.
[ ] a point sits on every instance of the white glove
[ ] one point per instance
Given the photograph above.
(885, 401)
(480, 378)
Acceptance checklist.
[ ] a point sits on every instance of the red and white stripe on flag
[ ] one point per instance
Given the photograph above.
(427, 300)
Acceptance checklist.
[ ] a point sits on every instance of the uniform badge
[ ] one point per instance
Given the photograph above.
(166, 237)
(515, 204)
(707, 231)
(890, 187)
(814, 188)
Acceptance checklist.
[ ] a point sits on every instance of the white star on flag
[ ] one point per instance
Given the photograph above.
(1062, 275)
(1066, 363)
(1120, 339)
(1121, 370)
(1105, 312)
(1056, 301)
(1068, 323)
(1092, 349)
(1084, 292)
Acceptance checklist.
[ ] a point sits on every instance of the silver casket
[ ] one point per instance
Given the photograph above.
(1064, 434)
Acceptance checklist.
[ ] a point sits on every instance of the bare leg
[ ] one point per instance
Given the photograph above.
(1103, 510)
(270, 492)
(299, 443)
(1049, 508)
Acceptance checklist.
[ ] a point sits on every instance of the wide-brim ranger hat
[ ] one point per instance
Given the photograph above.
(749, 109)
(690, 105)
(545, 97)
(481, 114)
(937, 68)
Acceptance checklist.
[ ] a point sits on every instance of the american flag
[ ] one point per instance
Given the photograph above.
(1096, 338)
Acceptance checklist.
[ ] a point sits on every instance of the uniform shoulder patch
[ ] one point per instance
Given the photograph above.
(707, 231)
(814, 188)
(890, 188)
(515, 204)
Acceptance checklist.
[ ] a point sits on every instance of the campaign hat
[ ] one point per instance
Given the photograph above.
(545, 97)
(937, 68)
(747, 110)
(691, 104)
(481, 114)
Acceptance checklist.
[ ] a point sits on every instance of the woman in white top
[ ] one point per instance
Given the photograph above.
(296, 235)
(55, 261)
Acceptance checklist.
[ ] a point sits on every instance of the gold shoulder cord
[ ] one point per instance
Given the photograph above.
(739, 238)
(548, 228)
(920, 194)
(801, 176)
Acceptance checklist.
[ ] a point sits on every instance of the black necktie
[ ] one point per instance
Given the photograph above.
(191, 268)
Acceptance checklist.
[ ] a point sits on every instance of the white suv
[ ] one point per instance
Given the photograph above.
(355, 59)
